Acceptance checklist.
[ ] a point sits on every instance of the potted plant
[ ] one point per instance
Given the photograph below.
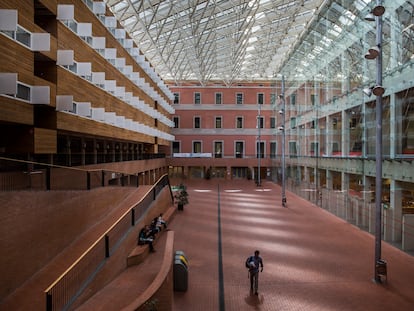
(181, 197)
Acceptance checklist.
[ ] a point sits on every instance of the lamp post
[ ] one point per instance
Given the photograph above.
(378, 90)
(259, 151)
(378, 150)
(283, 142)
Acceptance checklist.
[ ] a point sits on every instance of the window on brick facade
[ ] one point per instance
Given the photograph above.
(197, 147)
(260, 149)
(197, 122)
(273, 149)
(175, 147)
(293, 99)
(218, 124)
(272, 122)
(273, 99)
(239, 98)
(197, 98)
(260, 98)
(293, 122)
(293, 149)
(176, 98)
(239, 122)
(239, 149)
(218, 149)
(176, 122)
(219, 97)
(260, 122)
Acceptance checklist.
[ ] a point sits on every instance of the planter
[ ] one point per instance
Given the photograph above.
(180, 207)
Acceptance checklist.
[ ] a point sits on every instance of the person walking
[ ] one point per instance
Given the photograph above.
(254, 263)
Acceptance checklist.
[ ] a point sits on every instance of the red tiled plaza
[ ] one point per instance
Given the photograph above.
(312, 259)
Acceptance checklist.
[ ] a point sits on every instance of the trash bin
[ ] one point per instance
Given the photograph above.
(381, 268)
(180, 272)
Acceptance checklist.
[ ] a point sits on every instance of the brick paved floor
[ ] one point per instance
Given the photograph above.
(313, 260)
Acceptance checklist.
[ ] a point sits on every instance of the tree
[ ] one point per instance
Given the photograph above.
(181, 197)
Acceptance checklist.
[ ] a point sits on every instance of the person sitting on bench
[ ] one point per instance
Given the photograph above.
(161, 221)
(145, 237)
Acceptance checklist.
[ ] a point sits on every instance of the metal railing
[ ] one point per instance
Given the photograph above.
(67, 287)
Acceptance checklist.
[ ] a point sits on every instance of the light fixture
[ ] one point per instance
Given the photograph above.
(378, 90)
(378, 10)
(369, 56)
(374, 51)
(368, 91)
(281, 111)
(281, 128)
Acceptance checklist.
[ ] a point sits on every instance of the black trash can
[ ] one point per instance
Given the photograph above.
(180, 272)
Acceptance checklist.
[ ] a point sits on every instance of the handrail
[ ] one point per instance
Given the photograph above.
(70, 284)
(43, 176)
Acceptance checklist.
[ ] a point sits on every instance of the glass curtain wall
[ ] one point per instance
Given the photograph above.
(330, 125)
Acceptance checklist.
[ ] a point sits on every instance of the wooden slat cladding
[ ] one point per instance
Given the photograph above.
(84, 53)
(84, 15)
(16, 58)
(40, 69)
(84, 91)
(73, 123)
(15, 111)
(71, 84)
(25, 11)
(45, 141)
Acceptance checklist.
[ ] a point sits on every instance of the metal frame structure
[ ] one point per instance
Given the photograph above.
(216, 40)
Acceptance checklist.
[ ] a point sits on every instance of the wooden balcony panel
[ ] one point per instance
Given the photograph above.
(84, 126)
(82, 91)
(45, 141)
(15, 111)
(16, 58)
(85, 53)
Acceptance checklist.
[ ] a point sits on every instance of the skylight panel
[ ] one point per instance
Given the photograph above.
(347, 18)
(260, 15)
(361, 4)
(130, 20)
(120, 6)
(252, 39)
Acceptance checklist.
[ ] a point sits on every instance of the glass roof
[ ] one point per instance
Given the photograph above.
(230, 40)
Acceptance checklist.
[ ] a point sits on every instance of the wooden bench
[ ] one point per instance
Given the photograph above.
(140, 252)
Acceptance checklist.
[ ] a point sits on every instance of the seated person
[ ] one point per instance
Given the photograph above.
(161, 222)
(145, 237)
(154, 226)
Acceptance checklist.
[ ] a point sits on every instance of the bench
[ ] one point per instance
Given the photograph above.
(140, 252)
